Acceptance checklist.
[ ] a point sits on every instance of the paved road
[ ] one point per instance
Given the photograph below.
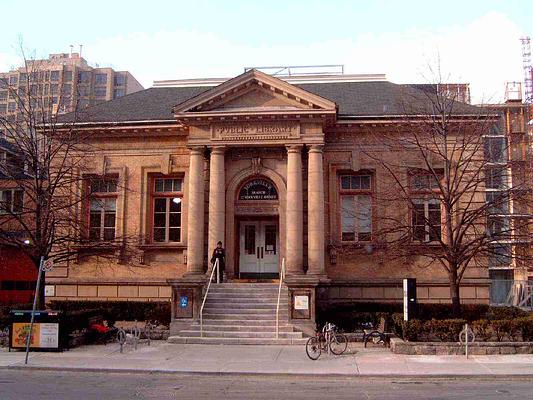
(44, 385)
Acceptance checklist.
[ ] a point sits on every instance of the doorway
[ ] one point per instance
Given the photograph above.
(259, 249)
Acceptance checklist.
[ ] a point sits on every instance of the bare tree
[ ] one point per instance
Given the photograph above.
(46, 184)
(445, 192)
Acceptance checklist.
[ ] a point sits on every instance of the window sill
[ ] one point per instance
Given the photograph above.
(162, 246)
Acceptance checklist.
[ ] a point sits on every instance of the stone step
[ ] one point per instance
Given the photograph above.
(271, 322)
(241, 334)
(246, 295)
(245, 311)
(239, 305)
(246, 317)
(236, 341)
(241, 327)
(249, 293)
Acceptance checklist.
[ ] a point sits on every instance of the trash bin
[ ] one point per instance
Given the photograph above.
(47, 330)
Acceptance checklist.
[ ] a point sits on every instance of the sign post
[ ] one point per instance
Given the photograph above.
(409, 298)
(43, 266)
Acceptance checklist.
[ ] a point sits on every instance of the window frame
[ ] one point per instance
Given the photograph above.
(12, 202)
(425, 196)
(168, 196)
(102, 195)
(355, 194)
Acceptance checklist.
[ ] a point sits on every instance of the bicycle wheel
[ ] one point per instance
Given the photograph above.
(313, 348)
(374, 338)
(338, 344)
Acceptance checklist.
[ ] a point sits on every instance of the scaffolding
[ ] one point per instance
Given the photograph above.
(528, 71)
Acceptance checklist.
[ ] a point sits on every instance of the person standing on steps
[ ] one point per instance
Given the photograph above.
(219, 254)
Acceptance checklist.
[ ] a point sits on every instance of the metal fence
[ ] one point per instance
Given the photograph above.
(511, 293)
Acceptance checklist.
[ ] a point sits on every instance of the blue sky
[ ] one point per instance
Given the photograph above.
(476, 41)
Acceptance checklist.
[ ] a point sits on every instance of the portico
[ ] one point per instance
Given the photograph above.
(257, 141)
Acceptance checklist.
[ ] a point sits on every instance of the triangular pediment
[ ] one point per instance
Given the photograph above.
(254, 92)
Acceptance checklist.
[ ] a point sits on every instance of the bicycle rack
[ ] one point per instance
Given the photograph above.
(133, 336)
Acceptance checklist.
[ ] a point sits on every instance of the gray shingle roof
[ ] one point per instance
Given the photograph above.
(354, 99)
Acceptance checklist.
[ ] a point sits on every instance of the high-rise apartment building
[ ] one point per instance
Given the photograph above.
(65, 82)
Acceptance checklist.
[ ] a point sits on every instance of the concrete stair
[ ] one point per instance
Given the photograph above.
(242, 313)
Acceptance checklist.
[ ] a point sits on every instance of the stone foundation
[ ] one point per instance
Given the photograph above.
(398, 346)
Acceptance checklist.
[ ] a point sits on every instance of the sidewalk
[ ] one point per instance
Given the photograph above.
(286, 360)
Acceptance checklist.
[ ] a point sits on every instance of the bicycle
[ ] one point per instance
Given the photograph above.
(374, 336)
(327, 339)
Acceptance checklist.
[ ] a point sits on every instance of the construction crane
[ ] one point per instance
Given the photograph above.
(528, 71)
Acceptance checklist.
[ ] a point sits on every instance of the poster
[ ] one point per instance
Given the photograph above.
(301, 302)
(45, 335)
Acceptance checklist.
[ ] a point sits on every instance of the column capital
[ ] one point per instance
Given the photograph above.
(197, 150)
(217, 149)
(316, 148)
(294, 148)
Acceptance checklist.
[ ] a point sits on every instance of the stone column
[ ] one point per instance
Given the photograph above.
(315, 211)
(294, 210)
(217, 199)
(195, 220)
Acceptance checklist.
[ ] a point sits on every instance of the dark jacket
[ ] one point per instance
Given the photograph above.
(221, 255)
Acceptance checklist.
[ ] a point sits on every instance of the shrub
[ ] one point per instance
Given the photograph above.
(446, 330)
(506, 329)
(482, 330)
(526, 327)
(501, 313)
(117, 310)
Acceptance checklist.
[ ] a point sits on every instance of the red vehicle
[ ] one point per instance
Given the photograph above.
(18, 277)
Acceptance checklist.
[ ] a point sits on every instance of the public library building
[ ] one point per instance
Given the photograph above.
(269, 167)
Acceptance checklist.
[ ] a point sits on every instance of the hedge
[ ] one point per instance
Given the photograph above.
(447, 330)
(117, 310)
(350, 316)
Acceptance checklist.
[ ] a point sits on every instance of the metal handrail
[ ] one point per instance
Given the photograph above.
(281, 278)
(215, 269)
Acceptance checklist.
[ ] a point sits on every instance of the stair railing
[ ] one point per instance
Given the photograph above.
(281, 279)
(215, 270)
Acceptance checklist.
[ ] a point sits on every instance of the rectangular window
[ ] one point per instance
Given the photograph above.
(54, 76)
(167, 196)
(100, 91)
(495, 177)
(356, 208)
(67, 88)
(103, 209)
(100, 79)
(84, 77)
(495, 149)
(11, 201)
(120, 80)
(118, 93)
(426, 220)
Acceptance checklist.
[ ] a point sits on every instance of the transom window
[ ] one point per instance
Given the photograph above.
(167, 195)
(103, 209)
(356, 208)
(11, 201)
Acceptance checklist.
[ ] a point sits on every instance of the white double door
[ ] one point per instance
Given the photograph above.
(259, 247)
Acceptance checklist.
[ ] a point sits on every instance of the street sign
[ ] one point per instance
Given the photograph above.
(48, 265)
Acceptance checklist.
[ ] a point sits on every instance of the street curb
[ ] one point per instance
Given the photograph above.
(270, 374)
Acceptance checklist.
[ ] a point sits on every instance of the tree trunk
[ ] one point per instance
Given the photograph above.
(454, 293)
